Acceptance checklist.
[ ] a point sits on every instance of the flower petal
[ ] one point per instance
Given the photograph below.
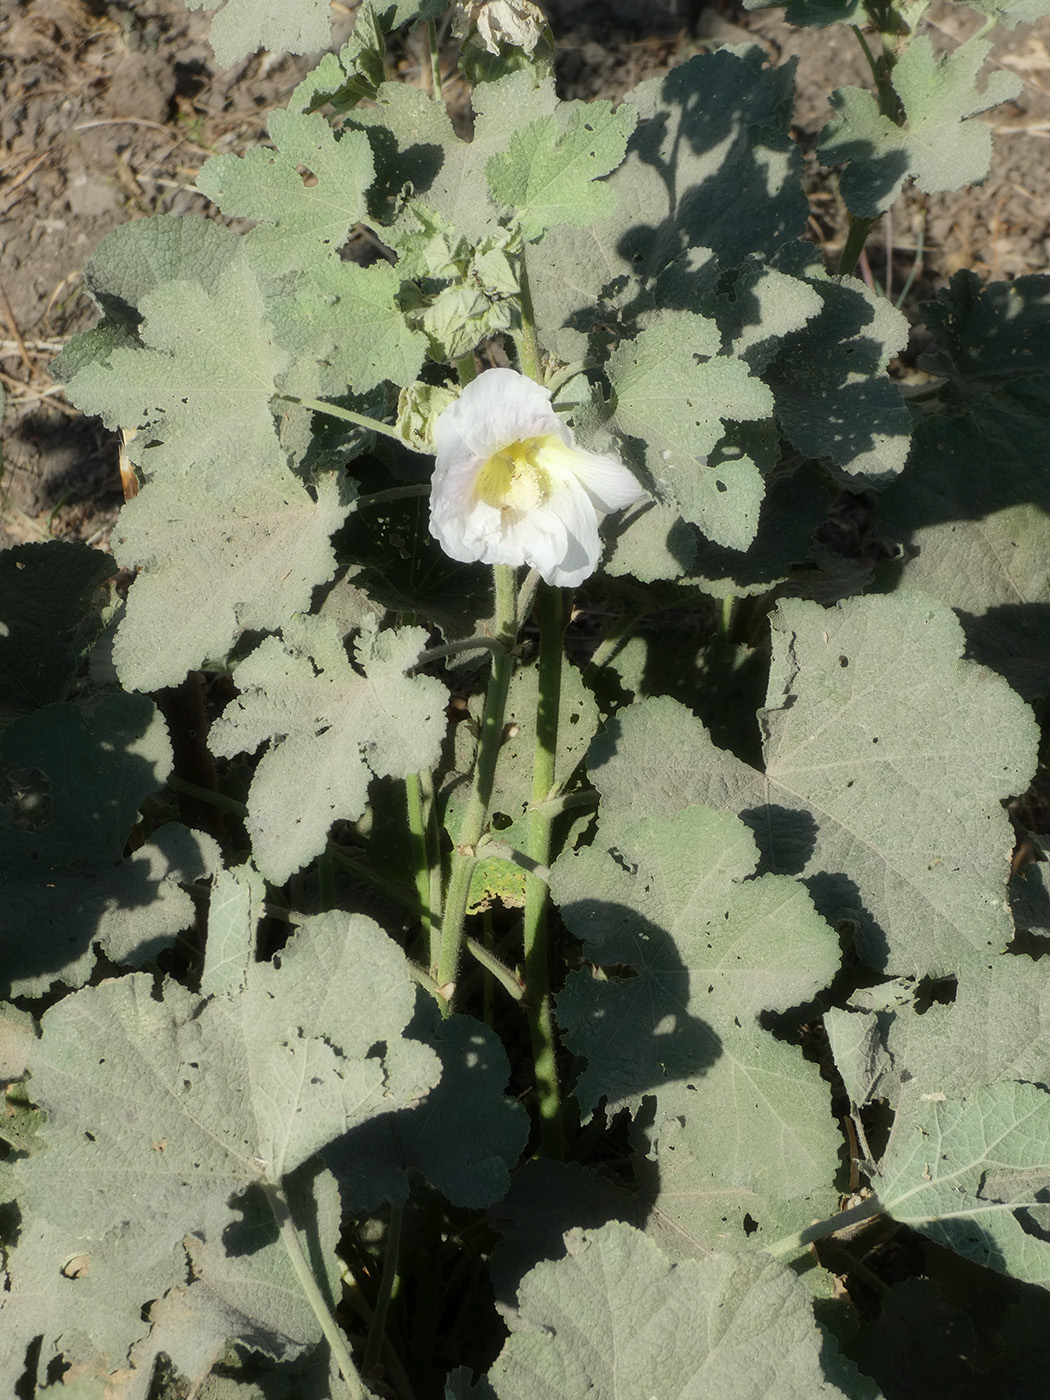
(561, 539)
(499, 407)
(608, 482)
(558, 535)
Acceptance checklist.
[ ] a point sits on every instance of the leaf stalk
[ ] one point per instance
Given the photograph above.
(312, 1291)
(333, 410)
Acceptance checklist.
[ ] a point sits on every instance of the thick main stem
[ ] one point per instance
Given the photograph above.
(537, 893)
(476, 815)
(529, 357)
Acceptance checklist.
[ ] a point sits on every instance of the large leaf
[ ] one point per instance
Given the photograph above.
(743, 1157)
(940, 147)
(415, 147)
(834, 399)
(200, 390)
(971, 509)
(501, 109)
(64, 1289)
(705, 947)
(313, 298)
(549, 170)
(994, 1029)
(331, 727)
(128, 264)
(958, 1168)
(242, 26)
(1011, 13)
(342, 325)
(51, 597)
(675, 392)
(74, 779)
(215, 564)
(216, 1096)
(463, 1138)
(83, 1302)
(616, 1320)
(265, 185)
(887, 759)
(709, 165)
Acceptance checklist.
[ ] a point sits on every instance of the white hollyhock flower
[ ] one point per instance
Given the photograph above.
(510, 486)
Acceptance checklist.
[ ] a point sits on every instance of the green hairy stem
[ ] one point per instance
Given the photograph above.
(464, 855)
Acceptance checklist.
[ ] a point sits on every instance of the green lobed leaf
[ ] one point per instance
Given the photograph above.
(330, 727)
(970, 510)
(313, 298)
(200, 390)
(215, 1096)
(411, 136)
(1011, 13)
(234, 911)
(794, 506)
(875, 730)
(710, 165)
(885, 724)
(957, 1168)
(74, 779)
(245, 1289)
(17, 1032)
(549, 170)
(501, 109)
(760, 307)
(743, 1157)
(83, 1299)
(221, 1095)
(834, 399)
(675, 392)
(674, 900)
(650, 543)
(616, 1318)
(463, 1139)
(242, 26)
(707, 947)
(266, 185)
(51, 598)
(342, 326)
(993, 1030)
(128, 264)
(940, 148)
(216, 563)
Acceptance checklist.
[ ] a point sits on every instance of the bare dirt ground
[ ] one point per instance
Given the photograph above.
(108, 109)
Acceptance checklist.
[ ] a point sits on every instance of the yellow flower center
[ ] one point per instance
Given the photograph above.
(518, 476)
